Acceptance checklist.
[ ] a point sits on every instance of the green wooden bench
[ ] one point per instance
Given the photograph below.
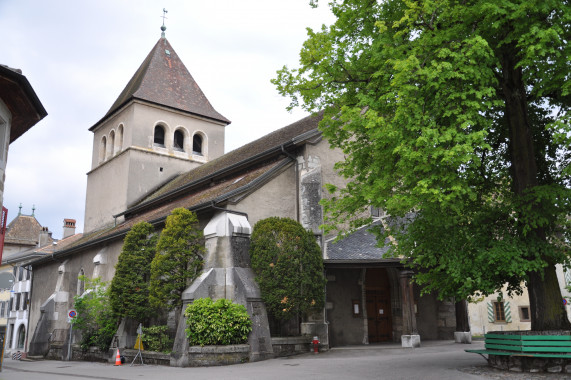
(541, 346)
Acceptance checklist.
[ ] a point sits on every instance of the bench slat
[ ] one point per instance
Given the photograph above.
(504, 341)
(546, 337)
(536, 343)
(503, 347)
(502, 336)
(546, 349)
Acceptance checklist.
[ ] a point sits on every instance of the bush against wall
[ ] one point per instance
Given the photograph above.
(156, 338)
(95, 319)
(217, 323)
(130, 286)
(288, 265)
(178, 260)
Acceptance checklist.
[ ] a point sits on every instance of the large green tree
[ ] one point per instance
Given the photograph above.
(178, 260)
(129, 292)
(288, 265)
(455, 116)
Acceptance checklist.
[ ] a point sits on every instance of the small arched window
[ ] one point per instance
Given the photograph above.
(159, 136)
(197, 144)
(103, 149)
(178, 140)
(111, 144)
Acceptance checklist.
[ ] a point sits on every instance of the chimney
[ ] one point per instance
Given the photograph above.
(68, 228)
(43, 239)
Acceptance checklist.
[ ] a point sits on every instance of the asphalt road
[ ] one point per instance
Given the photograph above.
(434, 360)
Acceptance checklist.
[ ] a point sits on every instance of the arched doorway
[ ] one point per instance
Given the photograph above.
(378, 298)
(21, 337)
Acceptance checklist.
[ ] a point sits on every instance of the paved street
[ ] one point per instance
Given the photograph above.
(434, 360)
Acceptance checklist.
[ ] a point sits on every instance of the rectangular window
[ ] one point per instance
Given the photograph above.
(17, 302)
(2, 309)
(28, 272)
(25, 301)
(499, 313)
(11, 303)
(524, 315)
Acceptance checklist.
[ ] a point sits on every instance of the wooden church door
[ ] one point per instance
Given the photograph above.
(378, 298)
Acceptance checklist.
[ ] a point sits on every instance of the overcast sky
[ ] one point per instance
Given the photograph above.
(79, 55)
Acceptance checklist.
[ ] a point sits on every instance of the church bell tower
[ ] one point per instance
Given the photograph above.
(161, 125)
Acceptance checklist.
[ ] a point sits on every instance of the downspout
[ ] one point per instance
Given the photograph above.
(296, 182)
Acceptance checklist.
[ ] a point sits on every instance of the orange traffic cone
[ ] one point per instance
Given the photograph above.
(118, 358)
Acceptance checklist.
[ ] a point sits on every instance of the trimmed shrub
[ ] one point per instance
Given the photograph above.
(130, 286)
(288, 265)
(178, 260)
(156, 338)
(217, 323)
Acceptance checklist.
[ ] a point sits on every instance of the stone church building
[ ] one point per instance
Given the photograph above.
(161, 146)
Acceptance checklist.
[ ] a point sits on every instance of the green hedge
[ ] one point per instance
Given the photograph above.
(217, 323)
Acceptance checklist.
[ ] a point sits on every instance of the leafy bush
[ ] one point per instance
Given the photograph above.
(178, 260)
(217, 323)
(130, 285)
(156, 338)
(95, 319)
(288, 265)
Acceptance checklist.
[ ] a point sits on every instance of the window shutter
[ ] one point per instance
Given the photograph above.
(490, 312)
(507, 310)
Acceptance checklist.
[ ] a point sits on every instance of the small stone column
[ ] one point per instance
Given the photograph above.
(227, 274)
(410, 337)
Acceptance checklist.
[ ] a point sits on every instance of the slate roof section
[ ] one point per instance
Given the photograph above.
(23, 230)
(358, 246)
(163, 79)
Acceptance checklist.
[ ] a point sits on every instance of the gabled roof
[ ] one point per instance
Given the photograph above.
(23, 230)
(21, 99)
(359, 245)
(163, 79)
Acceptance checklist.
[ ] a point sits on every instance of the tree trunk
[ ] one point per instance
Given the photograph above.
(462, 323)
(545, 300)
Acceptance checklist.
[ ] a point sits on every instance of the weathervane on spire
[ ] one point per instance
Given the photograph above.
(163, 28)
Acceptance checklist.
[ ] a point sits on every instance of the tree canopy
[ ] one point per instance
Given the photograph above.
(129, 292)
(288, 266)
(178, 260)
(455, 115)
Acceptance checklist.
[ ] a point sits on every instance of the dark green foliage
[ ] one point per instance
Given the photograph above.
(130, 286)
(178, 260)
(156, 338)
(95, 319)
(289, 267)
(459, 113)
(217, 323)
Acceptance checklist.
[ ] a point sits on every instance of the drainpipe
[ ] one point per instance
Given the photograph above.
(294, 159)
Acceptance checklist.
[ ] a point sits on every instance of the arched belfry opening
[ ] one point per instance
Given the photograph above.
(197, 144)
(159, 136)
(178, 142)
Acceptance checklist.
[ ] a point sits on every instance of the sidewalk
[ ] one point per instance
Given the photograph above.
(434, 360)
